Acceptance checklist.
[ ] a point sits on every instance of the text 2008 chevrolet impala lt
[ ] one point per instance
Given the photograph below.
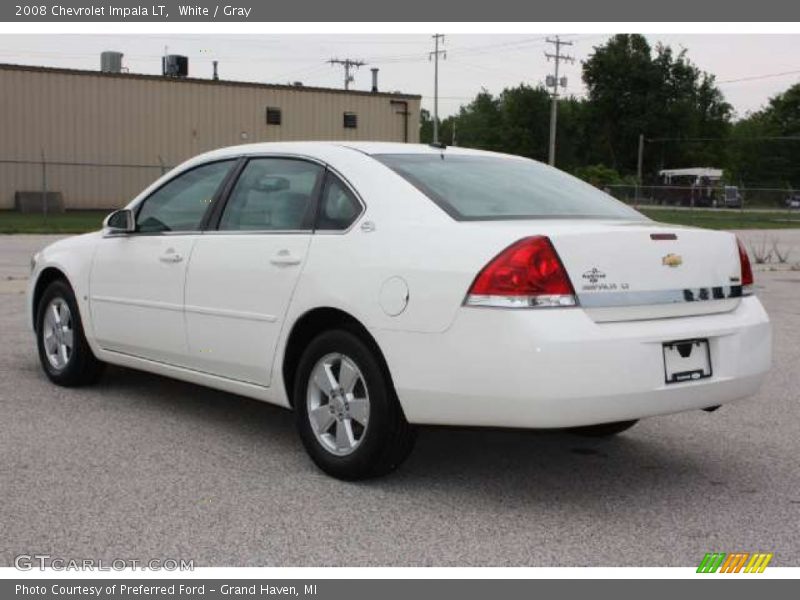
(372, 287)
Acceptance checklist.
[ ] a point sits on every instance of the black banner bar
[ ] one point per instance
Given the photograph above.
(731, 587)
(407, 10)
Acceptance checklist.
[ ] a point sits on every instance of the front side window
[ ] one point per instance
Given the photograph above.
(471, 188)
(338, 207)
(272, 194)
(180, 204)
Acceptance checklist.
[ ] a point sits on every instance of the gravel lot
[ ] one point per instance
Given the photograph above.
(146, 467)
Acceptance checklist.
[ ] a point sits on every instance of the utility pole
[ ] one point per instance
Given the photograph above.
(347, 63)
(435, 56)
(640, 160)
(553, 81)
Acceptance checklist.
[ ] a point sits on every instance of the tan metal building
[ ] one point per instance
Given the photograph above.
(125, 129)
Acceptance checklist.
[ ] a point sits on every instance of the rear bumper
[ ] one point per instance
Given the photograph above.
(559, 368)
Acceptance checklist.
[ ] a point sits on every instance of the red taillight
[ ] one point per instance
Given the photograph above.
(747, 270)
(528, 273)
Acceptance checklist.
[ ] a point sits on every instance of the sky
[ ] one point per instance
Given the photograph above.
(750, 68)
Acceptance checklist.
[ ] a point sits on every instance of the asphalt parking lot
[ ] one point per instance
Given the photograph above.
(145, 467)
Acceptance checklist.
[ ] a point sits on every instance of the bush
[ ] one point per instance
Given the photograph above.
(601, 176)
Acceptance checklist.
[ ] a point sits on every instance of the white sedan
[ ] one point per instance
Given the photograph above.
(372, 287)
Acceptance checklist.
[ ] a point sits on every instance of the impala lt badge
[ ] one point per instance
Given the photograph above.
(672, 260)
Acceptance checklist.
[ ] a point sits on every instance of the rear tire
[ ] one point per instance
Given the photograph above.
(347, 412)
(64, 353)
(603, 429)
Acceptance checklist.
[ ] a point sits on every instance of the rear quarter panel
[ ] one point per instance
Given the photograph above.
(406, 236)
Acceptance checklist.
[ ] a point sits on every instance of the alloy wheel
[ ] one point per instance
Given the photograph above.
(58, 334)
(338, 404)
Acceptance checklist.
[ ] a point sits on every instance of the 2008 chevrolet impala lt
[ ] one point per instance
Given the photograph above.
(372, 287)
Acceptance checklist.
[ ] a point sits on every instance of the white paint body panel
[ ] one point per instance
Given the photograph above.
(236, 301)
(450, 364)
(136, 294)
(559, 368)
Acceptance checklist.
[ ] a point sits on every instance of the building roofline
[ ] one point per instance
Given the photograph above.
(222, 82)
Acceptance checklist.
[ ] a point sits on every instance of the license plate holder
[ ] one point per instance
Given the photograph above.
(686, 360)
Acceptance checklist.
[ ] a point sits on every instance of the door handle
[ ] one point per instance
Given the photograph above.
(285, 258)
(170, 256)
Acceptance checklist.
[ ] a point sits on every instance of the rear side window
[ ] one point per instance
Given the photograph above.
(338, 207)
(272, 194)
(475, 188)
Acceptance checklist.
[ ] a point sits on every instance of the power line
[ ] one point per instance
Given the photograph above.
(755, 77)
(498, 46)
(298, 72)
(456, 62)
(461, 50)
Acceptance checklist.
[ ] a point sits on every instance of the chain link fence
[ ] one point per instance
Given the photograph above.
(73, 185)
(86, 185)
(704, 197)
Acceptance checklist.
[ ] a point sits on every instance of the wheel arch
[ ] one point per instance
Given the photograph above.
(311, 324)
(47, 276)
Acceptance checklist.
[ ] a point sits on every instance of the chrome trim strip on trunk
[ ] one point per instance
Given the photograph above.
(653, 297)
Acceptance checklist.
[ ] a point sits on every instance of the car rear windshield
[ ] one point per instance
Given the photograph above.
(478, 188)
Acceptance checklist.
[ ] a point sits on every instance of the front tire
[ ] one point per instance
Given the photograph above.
(348, 415)
(64, 353)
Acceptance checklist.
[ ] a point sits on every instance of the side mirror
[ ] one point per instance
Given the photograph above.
(120, 221)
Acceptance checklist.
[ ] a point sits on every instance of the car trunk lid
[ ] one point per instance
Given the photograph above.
(651, 271)
(623, 271)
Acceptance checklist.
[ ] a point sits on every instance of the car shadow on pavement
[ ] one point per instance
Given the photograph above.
(548, 465)
(501, 466)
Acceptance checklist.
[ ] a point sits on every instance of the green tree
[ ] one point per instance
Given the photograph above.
(425, 126)
(761, 162)
(572, 147)
(524, 121)
(633, 90)
(517, 122)
(479, 123)
(599, 175)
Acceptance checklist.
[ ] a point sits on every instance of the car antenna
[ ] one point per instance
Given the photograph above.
(439, 146)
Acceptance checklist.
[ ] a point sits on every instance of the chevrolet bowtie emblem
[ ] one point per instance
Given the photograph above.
(672, 260)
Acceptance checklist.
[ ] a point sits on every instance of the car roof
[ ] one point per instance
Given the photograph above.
(400, 148)
(331, 152)
(312, 148)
